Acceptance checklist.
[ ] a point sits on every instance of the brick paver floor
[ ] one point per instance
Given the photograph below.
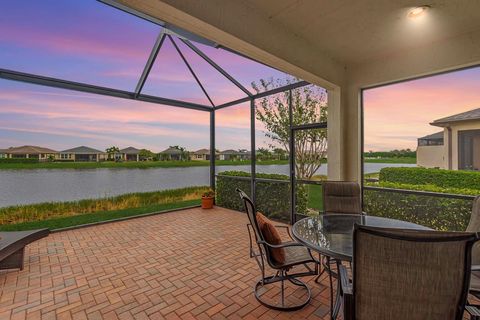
(180, 265)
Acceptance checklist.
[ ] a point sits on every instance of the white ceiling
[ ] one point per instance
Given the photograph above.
(361, 30)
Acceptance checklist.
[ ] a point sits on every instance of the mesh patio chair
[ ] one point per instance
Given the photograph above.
(474, 226)
(407, 274)
(295, 254)
(341, 197)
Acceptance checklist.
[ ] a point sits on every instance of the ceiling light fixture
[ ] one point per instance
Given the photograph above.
(418, 11)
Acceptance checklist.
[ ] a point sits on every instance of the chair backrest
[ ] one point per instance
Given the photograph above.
(341, 197)
(410, 274)
(474, 226)
(251, 213)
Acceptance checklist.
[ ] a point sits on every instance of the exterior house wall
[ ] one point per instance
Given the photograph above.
(432, 156)
(198, 157)
(131, 157)
(476, 150)
(456, 128)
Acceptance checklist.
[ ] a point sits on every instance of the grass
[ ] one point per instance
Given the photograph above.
(131, 165)
(54, 210)
(164, 164)
(403, 160)
(315, 197)
(59, 223)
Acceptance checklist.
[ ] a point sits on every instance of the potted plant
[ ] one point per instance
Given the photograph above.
(207, 199)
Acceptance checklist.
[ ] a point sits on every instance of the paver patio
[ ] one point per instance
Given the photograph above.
(187, 264)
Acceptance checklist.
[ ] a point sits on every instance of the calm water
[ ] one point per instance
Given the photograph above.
(33, 186)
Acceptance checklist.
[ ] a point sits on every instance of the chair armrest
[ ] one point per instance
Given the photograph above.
(475, 267)
(288, 231)
(347, 291)
(283, 245)
(473, 311)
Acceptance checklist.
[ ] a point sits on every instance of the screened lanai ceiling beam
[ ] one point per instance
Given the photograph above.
(83, 87)
(287, 87)
(150, 62)
(178, 31)
(191, 70)
(216, 66)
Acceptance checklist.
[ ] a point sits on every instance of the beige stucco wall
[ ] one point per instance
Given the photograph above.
(431, 156)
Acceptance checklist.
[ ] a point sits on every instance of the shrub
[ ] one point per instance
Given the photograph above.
(18, 160)
(424, 187)
(437, 177)
(439, 213)
(272, 197)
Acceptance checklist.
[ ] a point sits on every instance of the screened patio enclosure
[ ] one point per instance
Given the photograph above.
(138, 58)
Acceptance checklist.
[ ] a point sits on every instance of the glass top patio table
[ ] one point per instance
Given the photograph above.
(332, 234)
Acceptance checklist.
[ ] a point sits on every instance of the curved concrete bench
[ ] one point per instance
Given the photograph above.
(12, 246)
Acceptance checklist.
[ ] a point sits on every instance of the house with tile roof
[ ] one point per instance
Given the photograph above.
(130, 154)
(82, 154)
(202, 154)
(29, 152)
(456, 147)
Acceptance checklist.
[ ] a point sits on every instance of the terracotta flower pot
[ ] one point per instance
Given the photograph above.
(207, 202)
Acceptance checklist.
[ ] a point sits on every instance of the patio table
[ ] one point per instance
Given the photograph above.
(332, 236)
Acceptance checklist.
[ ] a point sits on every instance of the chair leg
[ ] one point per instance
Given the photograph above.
(320, 269)
(282, 276)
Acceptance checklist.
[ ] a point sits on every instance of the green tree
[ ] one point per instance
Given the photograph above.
(280, 154)
(111, 152)
(145, 154)
(309, 105)
(185, 155)
(263, 154)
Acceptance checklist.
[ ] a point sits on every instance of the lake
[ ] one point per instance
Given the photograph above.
(44, 185)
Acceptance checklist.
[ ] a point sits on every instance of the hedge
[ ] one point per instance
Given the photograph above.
(272, 197)
(18, 160)
(424, 187)
(438, 177)
(439, 213)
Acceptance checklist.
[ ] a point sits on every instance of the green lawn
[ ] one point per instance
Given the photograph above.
(59, 223)
(133, 164)
(409, 160)
(315, 199)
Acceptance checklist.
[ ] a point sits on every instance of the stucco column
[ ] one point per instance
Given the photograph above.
(334, 135)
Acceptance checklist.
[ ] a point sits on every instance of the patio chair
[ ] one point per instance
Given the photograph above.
(292, 253)
(341, 197)
(407, 274)
(474, 226)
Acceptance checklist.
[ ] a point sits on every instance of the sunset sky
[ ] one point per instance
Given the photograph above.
(86, 41)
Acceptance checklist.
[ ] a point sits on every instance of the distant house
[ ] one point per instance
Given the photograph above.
(82, 154)
(30, 152)
(130, 154)
(234, 155)
(202, 154)
(457, 147)
(3, 153)
(172, 154)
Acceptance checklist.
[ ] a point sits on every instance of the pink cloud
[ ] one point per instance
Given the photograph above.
(396, 115)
